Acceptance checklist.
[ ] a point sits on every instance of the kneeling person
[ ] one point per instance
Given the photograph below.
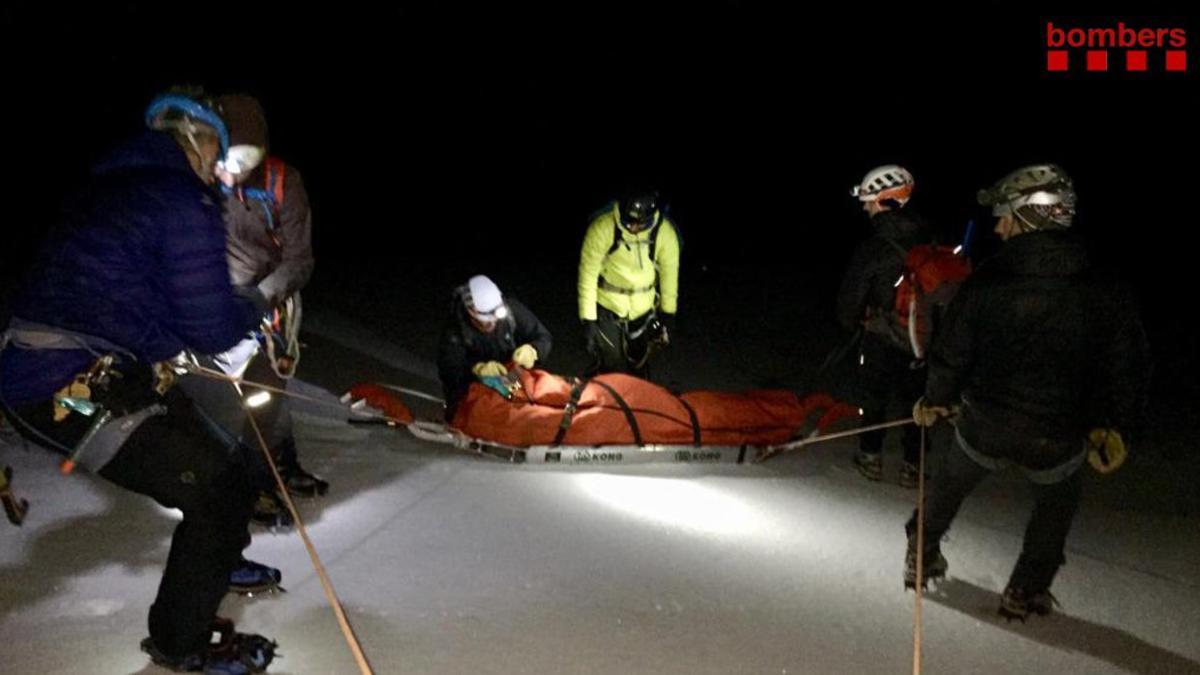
(485, 331)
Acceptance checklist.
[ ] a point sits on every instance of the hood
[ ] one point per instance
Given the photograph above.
(246, 120)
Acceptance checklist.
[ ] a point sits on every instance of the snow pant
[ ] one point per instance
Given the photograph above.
(886, 375)
(221, 405)
(1054, 508)
(624, 344)
(174, 460)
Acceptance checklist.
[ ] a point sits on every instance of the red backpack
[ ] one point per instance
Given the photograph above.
(932, 275)
(270, 196)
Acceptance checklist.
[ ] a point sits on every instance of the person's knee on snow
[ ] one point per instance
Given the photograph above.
(487, 334)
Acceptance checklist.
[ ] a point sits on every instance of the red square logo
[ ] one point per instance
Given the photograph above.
(1135, 61)
(1097, 59)
(1176, 60)
(1056, 60)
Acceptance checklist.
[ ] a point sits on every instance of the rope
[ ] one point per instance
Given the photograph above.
(917, 631)
(336, 604)
(291, 313)
(772, 450)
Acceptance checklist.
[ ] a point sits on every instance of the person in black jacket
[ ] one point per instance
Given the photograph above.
(888, 369)
(1046, 363)
(485, 331)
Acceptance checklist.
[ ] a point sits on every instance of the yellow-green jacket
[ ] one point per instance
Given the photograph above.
(628, 281)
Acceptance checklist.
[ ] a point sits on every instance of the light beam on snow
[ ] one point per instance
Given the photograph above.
(673, 501)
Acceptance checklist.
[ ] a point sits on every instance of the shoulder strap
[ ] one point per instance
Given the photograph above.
(654, 236)
(652, 241)
(275, 171)
(616, 239)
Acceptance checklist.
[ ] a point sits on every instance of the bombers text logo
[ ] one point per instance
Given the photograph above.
(1139, 49)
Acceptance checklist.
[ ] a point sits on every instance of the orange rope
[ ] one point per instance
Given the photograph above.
(351, 639)
(916, 664)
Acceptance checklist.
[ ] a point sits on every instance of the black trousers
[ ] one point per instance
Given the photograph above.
(886, 377)
(617, 351)
(174, 460)
(221, 406)
(1045, 535)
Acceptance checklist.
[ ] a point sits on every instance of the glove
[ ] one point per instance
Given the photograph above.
(1106, 450)
(525, 356)
(926, 415)
(668, 326)
(489, 369)
(591, 337)
(77, 389)
(255, 296)
(497, 385)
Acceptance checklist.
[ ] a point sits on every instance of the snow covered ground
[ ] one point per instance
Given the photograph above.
(448, 563)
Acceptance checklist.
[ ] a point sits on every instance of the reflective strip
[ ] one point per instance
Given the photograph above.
(33, 335)
(606, 285)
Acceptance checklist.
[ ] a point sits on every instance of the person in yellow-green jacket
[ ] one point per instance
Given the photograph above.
(628, 284)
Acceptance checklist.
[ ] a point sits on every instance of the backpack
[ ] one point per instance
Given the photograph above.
(270, 196)
(932, 275)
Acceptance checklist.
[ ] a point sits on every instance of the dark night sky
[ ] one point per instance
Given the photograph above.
(453, 139)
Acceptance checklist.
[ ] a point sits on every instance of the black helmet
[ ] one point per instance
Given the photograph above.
(637, 209)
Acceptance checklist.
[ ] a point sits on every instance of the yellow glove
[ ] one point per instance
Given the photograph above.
(926, 415)
(489, 369)
(1106, 450)
(525, 356)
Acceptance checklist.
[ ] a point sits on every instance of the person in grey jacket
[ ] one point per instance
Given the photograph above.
(269, 251)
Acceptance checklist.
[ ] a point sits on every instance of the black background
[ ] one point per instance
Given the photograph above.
(439, 144)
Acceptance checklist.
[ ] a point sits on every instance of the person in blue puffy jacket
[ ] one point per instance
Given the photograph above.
(133, 275)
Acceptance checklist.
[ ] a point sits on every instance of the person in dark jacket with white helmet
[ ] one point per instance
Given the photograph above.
(485, 332)
(888, 369)
(133, 275)
(1043, 363)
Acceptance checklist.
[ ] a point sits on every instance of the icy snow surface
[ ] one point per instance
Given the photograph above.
(449, 563)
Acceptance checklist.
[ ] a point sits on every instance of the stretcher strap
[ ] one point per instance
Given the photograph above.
(569, 410)
(629, 416)
(695, 421)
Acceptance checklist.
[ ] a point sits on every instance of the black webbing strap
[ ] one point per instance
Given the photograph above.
(569, 410)
(629, 416)
(695, 421)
